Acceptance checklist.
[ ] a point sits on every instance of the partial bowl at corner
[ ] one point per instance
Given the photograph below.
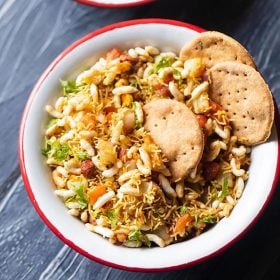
(115, 3)
(166, 35)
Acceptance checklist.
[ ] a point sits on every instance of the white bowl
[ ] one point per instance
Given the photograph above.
(115, 3)
(167, 35)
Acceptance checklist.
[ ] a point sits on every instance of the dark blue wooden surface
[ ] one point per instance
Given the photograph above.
(32, 34)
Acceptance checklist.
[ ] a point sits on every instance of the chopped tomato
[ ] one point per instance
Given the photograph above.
(121, 237)
(95, 193)
(204, 76)
(182, 223)
(201, 120)
(127, 57)
(215, 106)
(168, 78)
(211, 170)
(110, 109)
(92, 221)
(113, 54)
(122, 153)
(109, 112)
(162, 90)
(109, 116)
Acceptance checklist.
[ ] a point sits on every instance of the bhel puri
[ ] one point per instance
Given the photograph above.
(145, 151)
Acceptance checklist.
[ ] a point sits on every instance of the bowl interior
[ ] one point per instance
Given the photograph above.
(165, 36)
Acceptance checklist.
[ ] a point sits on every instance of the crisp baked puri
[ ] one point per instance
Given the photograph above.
(214, 47)
(175, 129)
(245, 96)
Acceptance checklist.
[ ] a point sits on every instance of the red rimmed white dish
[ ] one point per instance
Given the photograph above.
(264, 170)
(115, 3)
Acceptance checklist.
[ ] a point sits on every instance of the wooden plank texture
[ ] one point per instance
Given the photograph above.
(32, 34)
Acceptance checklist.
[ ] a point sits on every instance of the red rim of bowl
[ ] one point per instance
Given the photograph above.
(29, 188)
(112, 5)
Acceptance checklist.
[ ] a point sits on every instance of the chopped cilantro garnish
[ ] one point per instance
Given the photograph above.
(46, 148)
(69, 201)
(56, 150)
(147, 241)
(112, 217)
(150, 89)
(135, 83)
(82, 155)
(133, 106)
(45, 151)
(138, 124)
(183, 209)
(82, 203)
(95, 214)
(178, 75)
(209, 220)
(160, 63)
(137, 235)
(60, 151)
(69, 87)
(78, 188)
(225, 190)
(80, 198)
(52, 122)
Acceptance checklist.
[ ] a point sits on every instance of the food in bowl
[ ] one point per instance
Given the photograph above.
(127, 164)
(264, 167)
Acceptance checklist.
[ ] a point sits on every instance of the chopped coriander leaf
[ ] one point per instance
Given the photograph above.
(69, 87)
(45, 151)
(52, 148)
(70, 201)
(52, 122)
(135, 83)
(59, 151)
(138, 124)
(146, 240)
(178, 75)
(111, 214)
(95, 214)
(195, 215)
(209, 220)
(137, 235)
(225, 190)
(160, 63)
(79, 190)
(133, 106)
(82, 203)
(82, 155)
(183, 209)
(150, 89)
